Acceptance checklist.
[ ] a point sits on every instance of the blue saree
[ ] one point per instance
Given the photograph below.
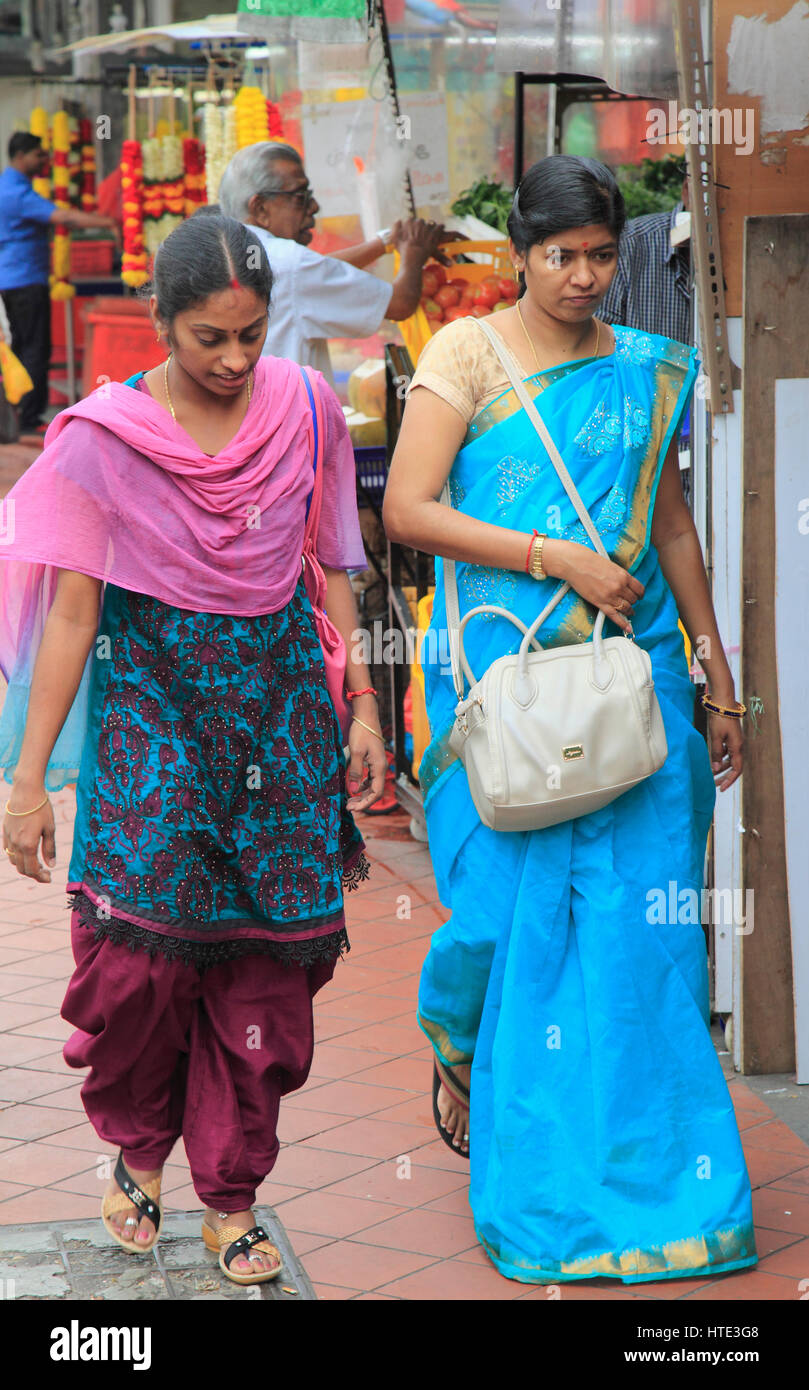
(602, 1134)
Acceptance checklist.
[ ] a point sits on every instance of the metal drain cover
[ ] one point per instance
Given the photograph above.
(69, 1260)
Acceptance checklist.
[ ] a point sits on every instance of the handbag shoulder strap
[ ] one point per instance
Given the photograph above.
(317, 435)
(541, 428)
(451, 600)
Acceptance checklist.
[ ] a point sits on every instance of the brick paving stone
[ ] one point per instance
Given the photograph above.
(345, 1098)
(19, 1083)
(792, 1261)
(352, 1264)
(327, 1214)
(372, 1138)
(749, 1286)
(333, 1061)
(797, 1181)
(782, 1211)
(24, 1121)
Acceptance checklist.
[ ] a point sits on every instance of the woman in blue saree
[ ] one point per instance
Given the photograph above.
(570, 1025)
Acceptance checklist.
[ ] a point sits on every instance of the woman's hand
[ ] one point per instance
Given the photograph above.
(365, 775)
(22, 835)
(598, 579)
(725, 740)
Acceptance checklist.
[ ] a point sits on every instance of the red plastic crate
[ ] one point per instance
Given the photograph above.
(91, 257)
(120, 341)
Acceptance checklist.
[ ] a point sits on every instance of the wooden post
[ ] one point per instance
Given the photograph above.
(131, 122)
(776, 306)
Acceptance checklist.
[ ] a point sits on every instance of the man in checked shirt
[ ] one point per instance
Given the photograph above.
(651, 287)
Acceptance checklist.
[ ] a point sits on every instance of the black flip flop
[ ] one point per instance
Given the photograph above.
(443, 1077)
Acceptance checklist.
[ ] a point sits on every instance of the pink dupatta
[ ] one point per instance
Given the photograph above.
(123, 493)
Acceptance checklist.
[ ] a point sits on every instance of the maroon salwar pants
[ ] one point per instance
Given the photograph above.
(205, 1055)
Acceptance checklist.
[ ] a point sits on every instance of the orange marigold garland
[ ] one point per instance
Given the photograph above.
(61, 287)
(133, 261)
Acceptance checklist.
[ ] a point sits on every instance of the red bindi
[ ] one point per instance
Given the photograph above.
(585, 244)
(234, 284)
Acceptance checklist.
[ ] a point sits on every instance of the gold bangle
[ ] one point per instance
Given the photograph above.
(535, 563)
(714, 707)
(355, 720)
(25, 813)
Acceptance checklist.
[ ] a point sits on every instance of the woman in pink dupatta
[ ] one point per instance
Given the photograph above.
(160, 649)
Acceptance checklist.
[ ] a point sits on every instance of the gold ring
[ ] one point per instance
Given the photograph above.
(8, 852)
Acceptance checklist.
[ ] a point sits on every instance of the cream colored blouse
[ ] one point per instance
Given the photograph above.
(460, 365)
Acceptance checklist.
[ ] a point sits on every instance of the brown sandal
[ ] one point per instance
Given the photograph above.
(230, 1241)
(145, 1200)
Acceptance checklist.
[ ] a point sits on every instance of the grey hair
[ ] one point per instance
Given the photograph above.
(251, 171)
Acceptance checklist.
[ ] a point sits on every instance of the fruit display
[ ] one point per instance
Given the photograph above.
(447, 295)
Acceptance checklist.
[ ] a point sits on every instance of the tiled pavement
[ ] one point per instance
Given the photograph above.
(372, 1201)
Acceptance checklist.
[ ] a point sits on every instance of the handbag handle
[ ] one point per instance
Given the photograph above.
(455, 627)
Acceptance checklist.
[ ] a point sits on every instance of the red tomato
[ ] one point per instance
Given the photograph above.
(507, 288)
(447, 296)
(480, 311)
(433, 268)
(458, 284)
(457, 312)
(487, 294)
(429, 282)
(432, 309)
(468, 294)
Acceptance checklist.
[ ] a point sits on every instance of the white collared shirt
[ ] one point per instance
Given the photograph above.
(314, 298)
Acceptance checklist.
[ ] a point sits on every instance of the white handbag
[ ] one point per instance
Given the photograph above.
(545, 736)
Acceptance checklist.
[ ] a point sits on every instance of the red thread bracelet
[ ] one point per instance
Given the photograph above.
(352, 694)
(534, 535)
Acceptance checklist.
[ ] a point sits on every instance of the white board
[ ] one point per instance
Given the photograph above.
(792, 659)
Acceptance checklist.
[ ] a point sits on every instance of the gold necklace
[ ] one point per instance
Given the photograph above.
(531, 343)
(168, 393)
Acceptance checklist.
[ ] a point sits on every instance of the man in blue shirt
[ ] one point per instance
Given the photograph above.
(25, 218)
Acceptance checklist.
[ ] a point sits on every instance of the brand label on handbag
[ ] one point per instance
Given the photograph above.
(571, 751)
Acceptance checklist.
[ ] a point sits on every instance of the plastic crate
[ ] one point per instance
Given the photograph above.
(91, 257)
(120, 340)
(372, 470)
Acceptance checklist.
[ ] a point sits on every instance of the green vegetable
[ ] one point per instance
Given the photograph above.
(653, 185)
(489, 201)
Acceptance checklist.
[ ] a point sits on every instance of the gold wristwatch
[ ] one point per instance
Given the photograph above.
(535, 569)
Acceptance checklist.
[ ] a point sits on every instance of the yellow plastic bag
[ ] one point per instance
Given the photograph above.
(16, 381)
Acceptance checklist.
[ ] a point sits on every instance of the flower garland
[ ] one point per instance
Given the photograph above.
(38, 125)
(219, 128)
(88, 166)
(74, 161)
(133, 262)
(60, 280)
(252, 123)
(164, 190)
(194, 166)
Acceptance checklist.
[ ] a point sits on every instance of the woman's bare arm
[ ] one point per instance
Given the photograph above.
(431, 434)
(68, 636)
(367, 749)
(675, 539)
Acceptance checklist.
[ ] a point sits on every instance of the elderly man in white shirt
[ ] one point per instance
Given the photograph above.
(318, 297)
